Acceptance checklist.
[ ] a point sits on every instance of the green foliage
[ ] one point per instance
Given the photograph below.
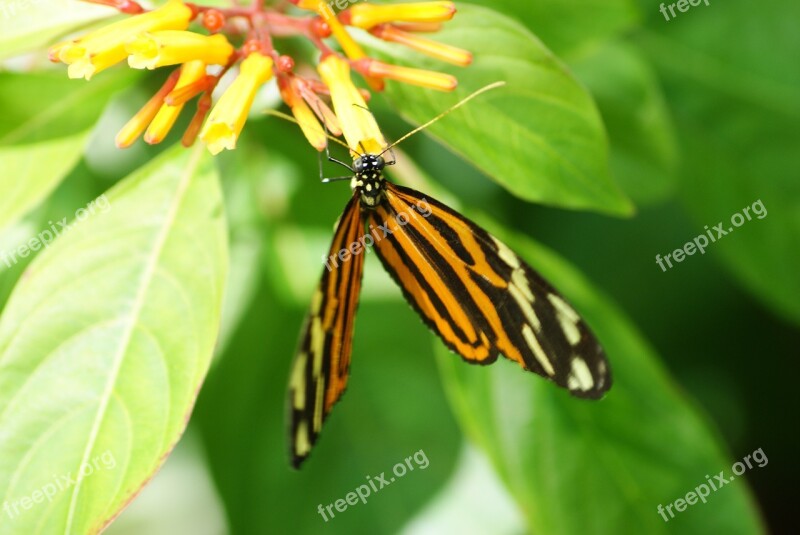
(27, 25)
(567, 26)
(618, 458)
(43, 134)
(737, 103)
(129, 300)
(540, 135)
(607, 110)
(643, 148)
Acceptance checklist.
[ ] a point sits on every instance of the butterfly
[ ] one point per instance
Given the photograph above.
(468, 287)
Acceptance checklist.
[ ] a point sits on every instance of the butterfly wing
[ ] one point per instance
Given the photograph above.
(320, 369)
(480, 297)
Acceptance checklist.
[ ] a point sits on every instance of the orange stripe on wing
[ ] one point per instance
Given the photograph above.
(402, 202)
(476, 346)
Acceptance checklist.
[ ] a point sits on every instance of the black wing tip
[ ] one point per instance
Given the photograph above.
(594, 394)
(296, 460)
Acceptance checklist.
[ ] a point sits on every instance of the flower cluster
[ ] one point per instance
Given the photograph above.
(242, 39)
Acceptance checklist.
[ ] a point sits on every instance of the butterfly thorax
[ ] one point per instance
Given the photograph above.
(368, 181)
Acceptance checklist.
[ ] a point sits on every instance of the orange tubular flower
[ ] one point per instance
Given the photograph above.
(318, 106)
(228, 116)
(105, 47)
(440, 51)
(306, 119)
(420, 77)
(419, 27)
(352, 49)
(161, 124)
(368, 15)
(358, 124)
(137, 124)
(171, 47)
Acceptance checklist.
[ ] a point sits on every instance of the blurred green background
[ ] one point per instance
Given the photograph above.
(701, 114)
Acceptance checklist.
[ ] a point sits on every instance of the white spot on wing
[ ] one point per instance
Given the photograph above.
(567, 318)
(318, 405)
(519, 280)
(601, 370)
(526, 307)
(317, 344)
(316, 302)
(506, 254)
(298, 381)
(533, 343)
(581, 374)
(570, 330)
(563, 307)
(301, 443)
(572, 383)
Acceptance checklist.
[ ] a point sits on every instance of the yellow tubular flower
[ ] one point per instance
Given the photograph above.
(434, 49)
(367, 15)
(228, 116)
(166, 116)
(307, 119)
(317, 105)
(133, 128)
(420, 77)
(358, 124)
(309, 125)
(105, 47)
(171, 47)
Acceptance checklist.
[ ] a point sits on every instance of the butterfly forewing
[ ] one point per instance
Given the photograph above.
(320, 369)
(480, 297)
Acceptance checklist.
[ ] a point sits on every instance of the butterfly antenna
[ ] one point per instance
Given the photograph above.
(453, 107)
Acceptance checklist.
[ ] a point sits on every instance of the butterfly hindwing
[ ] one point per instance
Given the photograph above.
(321, 366)
(480, 297)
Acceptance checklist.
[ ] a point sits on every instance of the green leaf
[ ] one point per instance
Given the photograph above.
(643, 148)
(26, 25)
(104, 344)
(394, 407)
(48, 105)
(736, 104)
(540, 136)
(578, 466)
(47, 119)
(31, 172)
(567, 26)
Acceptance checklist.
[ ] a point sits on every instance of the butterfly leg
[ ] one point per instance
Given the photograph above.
(322, 176)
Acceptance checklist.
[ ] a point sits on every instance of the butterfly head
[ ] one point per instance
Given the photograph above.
(368, 181)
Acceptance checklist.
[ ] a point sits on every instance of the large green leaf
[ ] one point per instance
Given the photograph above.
(104, 344)
(737, 104)
(643, 147)
(26, 25)
(540, 135)
(45, 125)
(394, 407)
(577, 466)
(567, 26)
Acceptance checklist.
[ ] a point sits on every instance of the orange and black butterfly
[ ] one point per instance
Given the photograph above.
(468, 287)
